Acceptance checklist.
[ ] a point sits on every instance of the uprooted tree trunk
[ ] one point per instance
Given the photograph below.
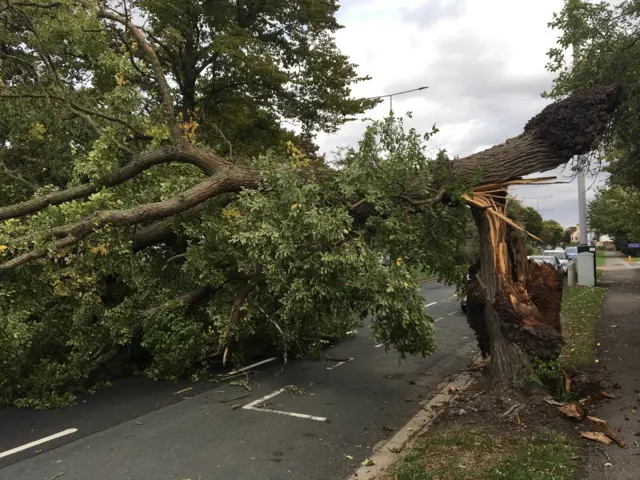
(514, 304)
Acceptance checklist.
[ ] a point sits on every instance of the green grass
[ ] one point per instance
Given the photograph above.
(422, 275)
(478, 454)
(580, 309)
(600, 258)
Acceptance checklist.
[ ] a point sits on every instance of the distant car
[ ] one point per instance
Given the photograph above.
(550, 259)
(572, 252)
(561, 255)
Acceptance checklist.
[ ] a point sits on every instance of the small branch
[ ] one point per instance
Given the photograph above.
(285, 344)
(428, 201)
(185, 300)
(77, 108)
(130, 51)
(236, 313)
(163, 87)
(356, 205)
(227, 400)
(221, 134)
(18, 178)
(38, 5)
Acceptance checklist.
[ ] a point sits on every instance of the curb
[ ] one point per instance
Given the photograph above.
(389, 453)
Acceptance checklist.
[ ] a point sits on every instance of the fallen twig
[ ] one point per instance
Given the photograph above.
(511, 409)
(183, 390)
(227, 400)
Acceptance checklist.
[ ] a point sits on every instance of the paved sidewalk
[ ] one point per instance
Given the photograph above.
(617, 261)
(618, 331)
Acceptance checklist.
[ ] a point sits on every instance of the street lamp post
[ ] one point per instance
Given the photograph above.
(391, 95)
(537, 199)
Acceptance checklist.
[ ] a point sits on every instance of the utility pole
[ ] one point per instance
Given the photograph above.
(582, 189)
(391, 95)
(582, 206)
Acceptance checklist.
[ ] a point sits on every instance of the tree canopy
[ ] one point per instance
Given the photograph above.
(528, 217)
(604, 38)
(616, 212)
(147, 226)
(111, 114)
(552, 233)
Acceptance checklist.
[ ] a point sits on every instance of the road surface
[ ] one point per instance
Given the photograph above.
(143, 430)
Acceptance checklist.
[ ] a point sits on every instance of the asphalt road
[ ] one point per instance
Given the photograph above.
(142, 430)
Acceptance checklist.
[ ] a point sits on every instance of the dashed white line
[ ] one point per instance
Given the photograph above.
(253, 365)
(379, 345)
(437, 320)
(38, 442)
(449, 314)
(429, 304)
(253, 406)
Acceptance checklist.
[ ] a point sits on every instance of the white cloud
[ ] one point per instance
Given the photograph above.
(484, 63)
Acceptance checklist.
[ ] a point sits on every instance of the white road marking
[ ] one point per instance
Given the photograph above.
(38, 442)
(437, 320)
(429, 304)
(449, 314)
(449, 299)
(254, 365)
(253, 406)
(352, 332)
(338, 364)
(379, 345)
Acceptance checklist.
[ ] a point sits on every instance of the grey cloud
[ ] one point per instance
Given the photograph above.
(468, 82)
(433, 11)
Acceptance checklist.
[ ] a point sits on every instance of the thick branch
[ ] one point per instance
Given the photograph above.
(231, 180)
(206, 160)
(185, 300)
(162, 231)
(570, 127)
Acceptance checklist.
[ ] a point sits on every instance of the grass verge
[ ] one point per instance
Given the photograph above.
(581, 306)
(422, 275)
(600, 258)
(480, 454)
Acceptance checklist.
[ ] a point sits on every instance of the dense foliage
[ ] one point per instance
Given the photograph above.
(279, 267)
(604, 37)
(528, 217)
(616, 212)
(552, 233)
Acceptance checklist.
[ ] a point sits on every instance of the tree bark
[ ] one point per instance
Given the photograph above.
(508, 323)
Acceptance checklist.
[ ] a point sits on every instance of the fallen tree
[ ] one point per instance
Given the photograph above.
(278, 249)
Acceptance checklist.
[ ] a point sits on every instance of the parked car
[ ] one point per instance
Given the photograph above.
(562, 257)
(572, 252)
(551, 259)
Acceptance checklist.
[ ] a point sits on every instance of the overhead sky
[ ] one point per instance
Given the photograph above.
(484, 63)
